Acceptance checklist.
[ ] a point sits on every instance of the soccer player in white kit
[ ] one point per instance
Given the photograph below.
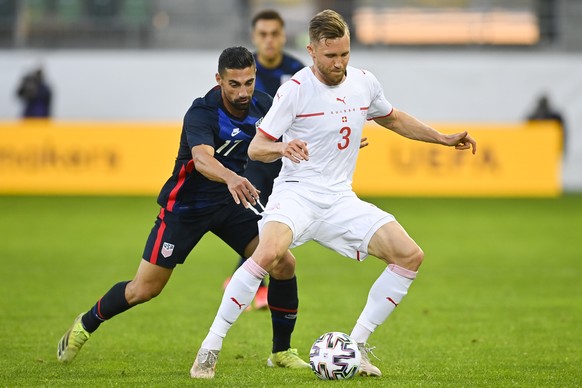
(320, 113)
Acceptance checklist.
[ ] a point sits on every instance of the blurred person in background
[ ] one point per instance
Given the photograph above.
(35, 94)
(544, 111)
(206, 192)
(274, 67)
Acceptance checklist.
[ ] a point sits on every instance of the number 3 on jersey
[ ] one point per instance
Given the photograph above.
(345, 132)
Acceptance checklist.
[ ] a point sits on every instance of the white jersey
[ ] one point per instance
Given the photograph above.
(330, 120)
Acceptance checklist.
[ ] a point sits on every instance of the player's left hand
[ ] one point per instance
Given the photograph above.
(461, 141)
(296, 150)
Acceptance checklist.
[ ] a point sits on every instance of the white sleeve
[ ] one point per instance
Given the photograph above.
(282, 113)
(380, 106)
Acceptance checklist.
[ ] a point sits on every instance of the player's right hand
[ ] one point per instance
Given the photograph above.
(242, 191)
(296, 151)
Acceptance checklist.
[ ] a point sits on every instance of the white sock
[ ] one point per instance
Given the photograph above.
(237, 297)
(385, 295)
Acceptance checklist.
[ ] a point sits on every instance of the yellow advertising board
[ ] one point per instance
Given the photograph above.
(511, 160)
(48, 157)
(54, 157)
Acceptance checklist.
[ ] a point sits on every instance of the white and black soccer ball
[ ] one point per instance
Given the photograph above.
(335, 356)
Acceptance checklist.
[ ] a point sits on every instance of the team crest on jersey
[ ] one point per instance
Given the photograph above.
(258, 123)
(167, 249)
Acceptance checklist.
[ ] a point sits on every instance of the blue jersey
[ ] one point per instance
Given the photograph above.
(208, 122)
(269, 80)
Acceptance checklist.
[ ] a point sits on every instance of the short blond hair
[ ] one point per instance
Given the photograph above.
(327, 24)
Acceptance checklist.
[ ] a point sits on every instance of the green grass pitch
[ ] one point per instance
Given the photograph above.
(498, 300)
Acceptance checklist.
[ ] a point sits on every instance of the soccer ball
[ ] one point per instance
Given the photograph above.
(335, 356)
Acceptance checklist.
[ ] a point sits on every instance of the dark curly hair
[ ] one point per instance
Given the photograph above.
(235, 58)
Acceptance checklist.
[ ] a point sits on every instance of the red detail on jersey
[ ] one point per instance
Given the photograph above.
(344, 119)
(341, 100)
(381, 117)
(365, 108)
(392, 300)
(266, 134)
(187, 169)
(294, 80)
(154, 256)
(240, 305)
(311, 114)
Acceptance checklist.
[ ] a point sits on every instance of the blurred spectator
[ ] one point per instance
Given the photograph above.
(35, 94)
(544, 111)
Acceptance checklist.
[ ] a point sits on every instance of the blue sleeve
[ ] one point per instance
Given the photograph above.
(199, 126)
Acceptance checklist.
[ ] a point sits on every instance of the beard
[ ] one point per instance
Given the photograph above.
(332, 77)
(240, 104)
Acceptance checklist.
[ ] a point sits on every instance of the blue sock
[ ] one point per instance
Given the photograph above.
(283, 303)
(111, 304)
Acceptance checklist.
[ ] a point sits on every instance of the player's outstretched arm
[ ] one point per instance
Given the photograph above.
(408, 126)
(206, 164)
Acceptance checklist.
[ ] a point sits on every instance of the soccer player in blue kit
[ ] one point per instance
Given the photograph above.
(206, 193)
(274, 67)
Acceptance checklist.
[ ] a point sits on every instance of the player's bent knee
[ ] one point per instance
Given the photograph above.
(285, 268)
(415, 259)
(411, 260)
(282, 273)
(267, 258)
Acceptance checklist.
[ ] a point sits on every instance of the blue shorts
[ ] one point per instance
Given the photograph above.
(262, 176)
(175, 235)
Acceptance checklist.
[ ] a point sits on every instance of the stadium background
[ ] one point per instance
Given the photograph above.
(498, 299)
(454, 63)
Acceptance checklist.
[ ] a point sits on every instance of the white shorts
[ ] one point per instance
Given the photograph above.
(339, 221)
